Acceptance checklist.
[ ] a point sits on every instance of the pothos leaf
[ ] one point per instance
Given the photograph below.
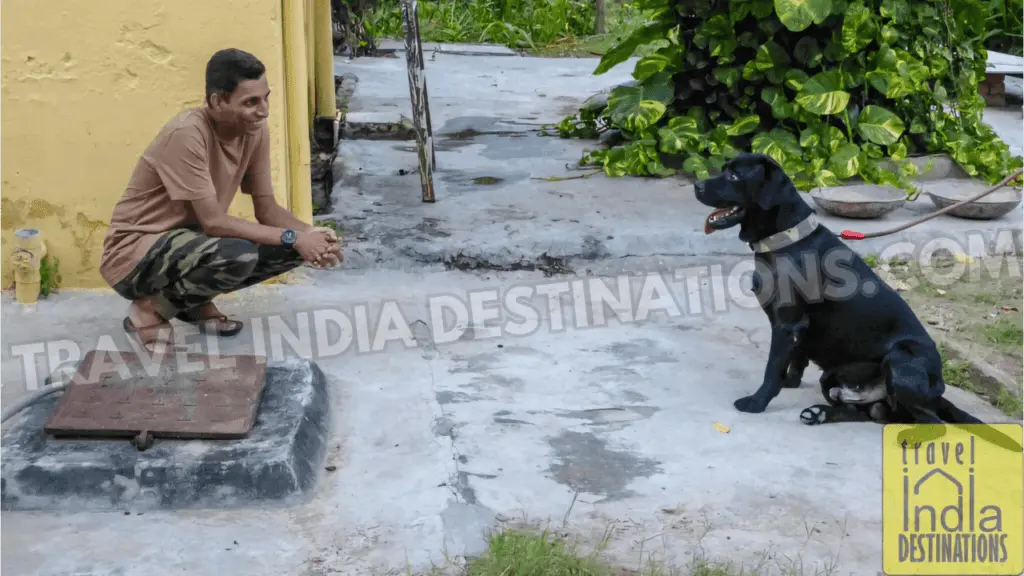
(623, 50)
(641, 105)
(898, 151)
(807, 52)
(653, 63)
(695, 165)
(728, 76)
(822, 94)
(809, 138)
(878, 125)
(845, 161)
(682, 134)
(762, 9)
(798, 15)
(796, 79)
(744, 125)
(770, 56)
(778, 144)
(859, 28)
(774, 97)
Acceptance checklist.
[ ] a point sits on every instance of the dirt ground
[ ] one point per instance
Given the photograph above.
(973, 309)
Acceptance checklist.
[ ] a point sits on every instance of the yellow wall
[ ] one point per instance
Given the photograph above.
(86, 86)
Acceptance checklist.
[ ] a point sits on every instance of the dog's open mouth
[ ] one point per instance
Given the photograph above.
(723, 218)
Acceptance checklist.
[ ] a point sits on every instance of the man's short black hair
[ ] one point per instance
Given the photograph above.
(228, 67)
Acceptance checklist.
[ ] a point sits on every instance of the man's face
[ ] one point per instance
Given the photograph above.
(247, 107)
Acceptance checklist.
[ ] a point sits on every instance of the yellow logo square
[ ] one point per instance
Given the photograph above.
(952, 500)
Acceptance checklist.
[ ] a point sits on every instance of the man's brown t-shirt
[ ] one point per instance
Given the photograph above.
(186, 161)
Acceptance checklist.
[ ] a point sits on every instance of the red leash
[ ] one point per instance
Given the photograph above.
(851, 235)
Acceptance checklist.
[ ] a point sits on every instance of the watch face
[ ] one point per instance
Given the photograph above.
(288, 236)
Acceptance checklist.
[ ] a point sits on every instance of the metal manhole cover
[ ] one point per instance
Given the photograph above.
(187, 396)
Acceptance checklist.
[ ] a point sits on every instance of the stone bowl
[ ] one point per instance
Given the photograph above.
(996, 205)
(862, 201)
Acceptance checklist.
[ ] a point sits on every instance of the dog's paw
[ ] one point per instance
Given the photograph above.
(791, 382)
(750, 405)
(814, 415)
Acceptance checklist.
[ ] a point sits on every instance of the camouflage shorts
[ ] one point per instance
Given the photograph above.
(186, 269)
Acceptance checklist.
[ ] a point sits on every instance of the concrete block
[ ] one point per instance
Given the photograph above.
(277, 463)
(392, 125)
(391, 45)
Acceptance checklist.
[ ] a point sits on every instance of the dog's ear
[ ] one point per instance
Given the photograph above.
(773, 183)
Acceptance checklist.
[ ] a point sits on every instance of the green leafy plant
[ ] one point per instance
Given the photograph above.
(831, 89)
(1005, 29)
(49, 275)
(516, 23)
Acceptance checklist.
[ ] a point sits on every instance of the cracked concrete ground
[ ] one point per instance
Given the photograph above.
(494, 208)
(604, 427)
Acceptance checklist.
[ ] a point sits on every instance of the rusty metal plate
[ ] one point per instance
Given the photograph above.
(187, 396)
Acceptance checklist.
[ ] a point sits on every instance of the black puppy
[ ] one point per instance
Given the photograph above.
(856, 392)
(825, 305)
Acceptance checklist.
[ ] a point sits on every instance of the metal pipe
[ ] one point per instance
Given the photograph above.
(29, 400)
(300, 193)
(29, 251)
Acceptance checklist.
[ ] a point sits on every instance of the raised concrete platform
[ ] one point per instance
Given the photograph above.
(276, 464)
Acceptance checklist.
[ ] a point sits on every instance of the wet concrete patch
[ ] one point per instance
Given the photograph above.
(475, 364)
(585, 463)
(444, 427)
(432, 227)
(633, 396)
(612, 415)
(615, 372)
(641, 352)
(453, 397)
(490, 381)
(512, 422)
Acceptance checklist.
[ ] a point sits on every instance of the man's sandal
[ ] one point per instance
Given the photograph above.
(201, 322)
(150, 335)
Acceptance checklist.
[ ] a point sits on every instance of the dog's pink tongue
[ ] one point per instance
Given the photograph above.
(707, 221)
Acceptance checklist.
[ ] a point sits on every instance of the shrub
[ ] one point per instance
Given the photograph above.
(828, 88)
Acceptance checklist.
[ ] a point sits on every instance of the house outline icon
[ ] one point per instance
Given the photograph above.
(947, 475)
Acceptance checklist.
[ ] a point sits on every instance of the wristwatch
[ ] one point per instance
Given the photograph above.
(288, 238)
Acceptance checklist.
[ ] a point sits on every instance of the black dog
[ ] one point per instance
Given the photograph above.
(826, 306)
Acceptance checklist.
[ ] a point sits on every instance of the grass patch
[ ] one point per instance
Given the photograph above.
(976, 306)
(526, 552)
(332, 224)
(1004, 331)
(959, 373)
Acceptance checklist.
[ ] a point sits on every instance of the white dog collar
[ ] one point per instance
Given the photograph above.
(787, 237)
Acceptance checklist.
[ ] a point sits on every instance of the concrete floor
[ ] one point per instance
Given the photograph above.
(434, 446)
(493, 205)
(585, 428)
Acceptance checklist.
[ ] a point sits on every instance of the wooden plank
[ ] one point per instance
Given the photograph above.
(418, 96)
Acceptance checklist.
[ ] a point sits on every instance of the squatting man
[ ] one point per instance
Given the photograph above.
(172, 247)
